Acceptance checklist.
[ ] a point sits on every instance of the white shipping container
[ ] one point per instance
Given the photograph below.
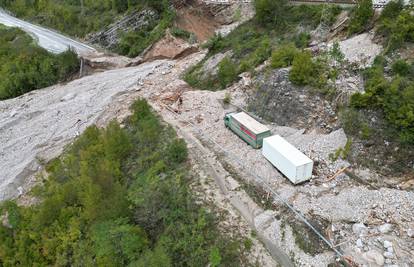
(295, 165)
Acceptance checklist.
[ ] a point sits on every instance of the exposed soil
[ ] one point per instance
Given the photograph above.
(194, 20)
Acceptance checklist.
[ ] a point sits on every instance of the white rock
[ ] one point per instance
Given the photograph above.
(410, 233)
(387, 244)
(374, 256)
(385, 228)
(359, 228)
(359, 243)
(388, 255)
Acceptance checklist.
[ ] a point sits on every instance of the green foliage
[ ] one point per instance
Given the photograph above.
(302, 40)
(336, 53)
(342, 152)
(258, 56)
(26, 67)
(395, 98)
(271, 13)
(77, 18)
(117, 197)
(396, 24)
(361, 16)
(303, 69)
(227, 72)
(134, 43)
(401, 67)
(180, 33)
(252, 42)
(284, 56)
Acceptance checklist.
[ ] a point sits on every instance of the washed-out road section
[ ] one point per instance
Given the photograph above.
(36, 126)
(48, 39)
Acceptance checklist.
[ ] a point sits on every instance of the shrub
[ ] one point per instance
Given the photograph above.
(257, 57)
(180, 33)
(284, 56)
(227, 72)
(271, 12)
(303, 69)
(401, 67)
(26, 66)
(227, 98)
(397, 25)
(302, 39)
(361, 16)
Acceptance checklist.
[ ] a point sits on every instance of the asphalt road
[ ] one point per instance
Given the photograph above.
(48, 39)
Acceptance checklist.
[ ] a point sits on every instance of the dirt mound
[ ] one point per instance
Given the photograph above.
(169, 47)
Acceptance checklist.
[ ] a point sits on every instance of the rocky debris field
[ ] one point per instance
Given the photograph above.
(35, 127)
(360, 49)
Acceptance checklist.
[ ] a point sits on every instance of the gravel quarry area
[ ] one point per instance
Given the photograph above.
(34, 128)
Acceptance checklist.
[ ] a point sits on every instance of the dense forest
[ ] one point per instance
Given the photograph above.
(81, 17)
(118, 197)
(26, 66)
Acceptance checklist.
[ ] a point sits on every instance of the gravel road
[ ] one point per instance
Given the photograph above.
(48, 39)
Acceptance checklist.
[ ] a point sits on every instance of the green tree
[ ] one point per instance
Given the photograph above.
(361, 16)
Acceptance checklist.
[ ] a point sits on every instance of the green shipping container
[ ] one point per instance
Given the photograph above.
(247, 128)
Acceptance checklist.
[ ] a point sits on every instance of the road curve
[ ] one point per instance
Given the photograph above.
(48, 39)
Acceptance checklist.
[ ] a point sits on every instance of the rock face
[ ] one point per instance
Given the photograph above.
(169, 47)
(278, 100)
(210, 67)
(110, 36)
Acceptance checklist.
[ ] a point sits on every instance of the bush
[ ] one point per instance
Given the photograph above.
(396, 24)
(271, 12)
(284, 56)
(227, 72)
(302, 40)
(303, 69)
(394, 98)
(401, 67)
(180, 33)
(26, 66)
(361, 16)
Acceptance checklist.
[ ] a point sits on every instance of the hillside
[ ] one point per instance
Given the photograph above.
(335, 81)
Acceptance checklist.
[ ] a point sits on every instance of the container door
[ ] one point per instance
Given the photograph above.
(300, 172)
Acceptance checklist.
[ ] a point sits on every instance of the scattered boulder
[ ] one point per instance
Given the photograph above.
(374, 257)
(359, 228)
(385, 228)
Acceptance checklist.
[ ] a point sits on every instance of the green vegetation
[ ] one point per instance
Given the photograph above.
(26, 66)
(396, 24)
(134, 42)
(361, 16)
(227, 72)
(393, 97)
(79, 18)
(76, 18)
(342, 152)
(118, 197)
(283, 56)
(274, 25)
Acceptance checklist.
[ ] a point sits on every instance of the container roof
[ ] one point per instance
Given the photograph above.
(289, 151)
(252, 124)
